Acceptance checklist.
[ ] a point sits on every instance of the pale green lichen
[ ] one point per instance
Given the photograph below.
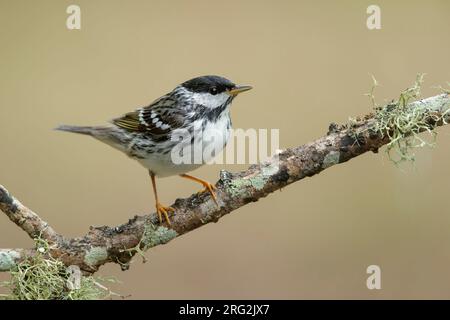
(8, 260)
(330, 159)
(156, 235)
(43, 277)
(371, 94)
(258, 182)
(239, 187)
(269, 170)
(152, 236)
(95, 255)
(403, 120)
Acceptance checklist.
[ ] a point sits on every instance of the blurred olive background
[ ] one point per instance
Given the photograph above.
(309, 63)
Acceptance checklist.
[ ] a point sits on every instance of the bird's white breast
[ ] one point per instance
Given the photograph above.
(215, 136)
(209, 138)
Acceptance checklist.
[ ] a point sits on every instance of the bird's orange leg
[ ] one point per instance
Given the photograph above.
(208, 186)
(160, 209)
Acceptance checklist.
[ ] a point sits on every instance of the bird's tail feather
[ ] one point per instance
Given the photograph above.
(77, 129)
(110, 135)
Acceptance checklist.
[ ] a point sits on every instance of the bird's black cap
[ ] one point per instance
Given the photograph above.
(211, 84)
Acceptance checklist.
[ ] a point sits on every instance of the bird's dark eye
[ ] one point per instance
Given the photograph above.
(213, 90)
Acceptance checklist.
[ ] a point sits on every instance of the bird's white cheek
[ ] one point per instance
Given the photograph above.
(209, 100)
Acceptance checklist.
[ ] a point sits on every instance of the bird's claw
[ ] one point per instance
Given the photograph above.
(160, 209)
(209, 187)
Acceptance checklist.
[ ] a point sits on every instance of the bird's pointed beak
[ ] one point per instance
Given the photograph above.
(238, 89)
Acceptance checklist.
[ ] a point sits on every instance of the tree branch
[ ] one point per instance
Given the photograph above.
(25, 218)
(106, 244)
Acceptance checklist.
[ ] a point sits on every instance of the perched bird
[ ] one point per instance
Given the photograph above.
(197, 108)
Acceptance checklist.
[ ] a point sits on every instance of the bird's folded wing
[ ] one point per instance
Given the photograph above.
(157, 119)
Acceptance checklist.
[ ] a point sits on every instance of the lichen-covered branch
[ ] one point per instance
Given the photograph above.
(118, 244)
(25, 218)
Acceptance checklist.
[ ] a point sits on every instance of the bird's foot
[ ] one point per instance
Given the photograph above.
(211, 189)
(160, 209)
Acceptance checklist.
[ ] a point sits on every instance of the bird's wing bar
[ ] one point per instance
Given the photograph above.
(158, 118)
